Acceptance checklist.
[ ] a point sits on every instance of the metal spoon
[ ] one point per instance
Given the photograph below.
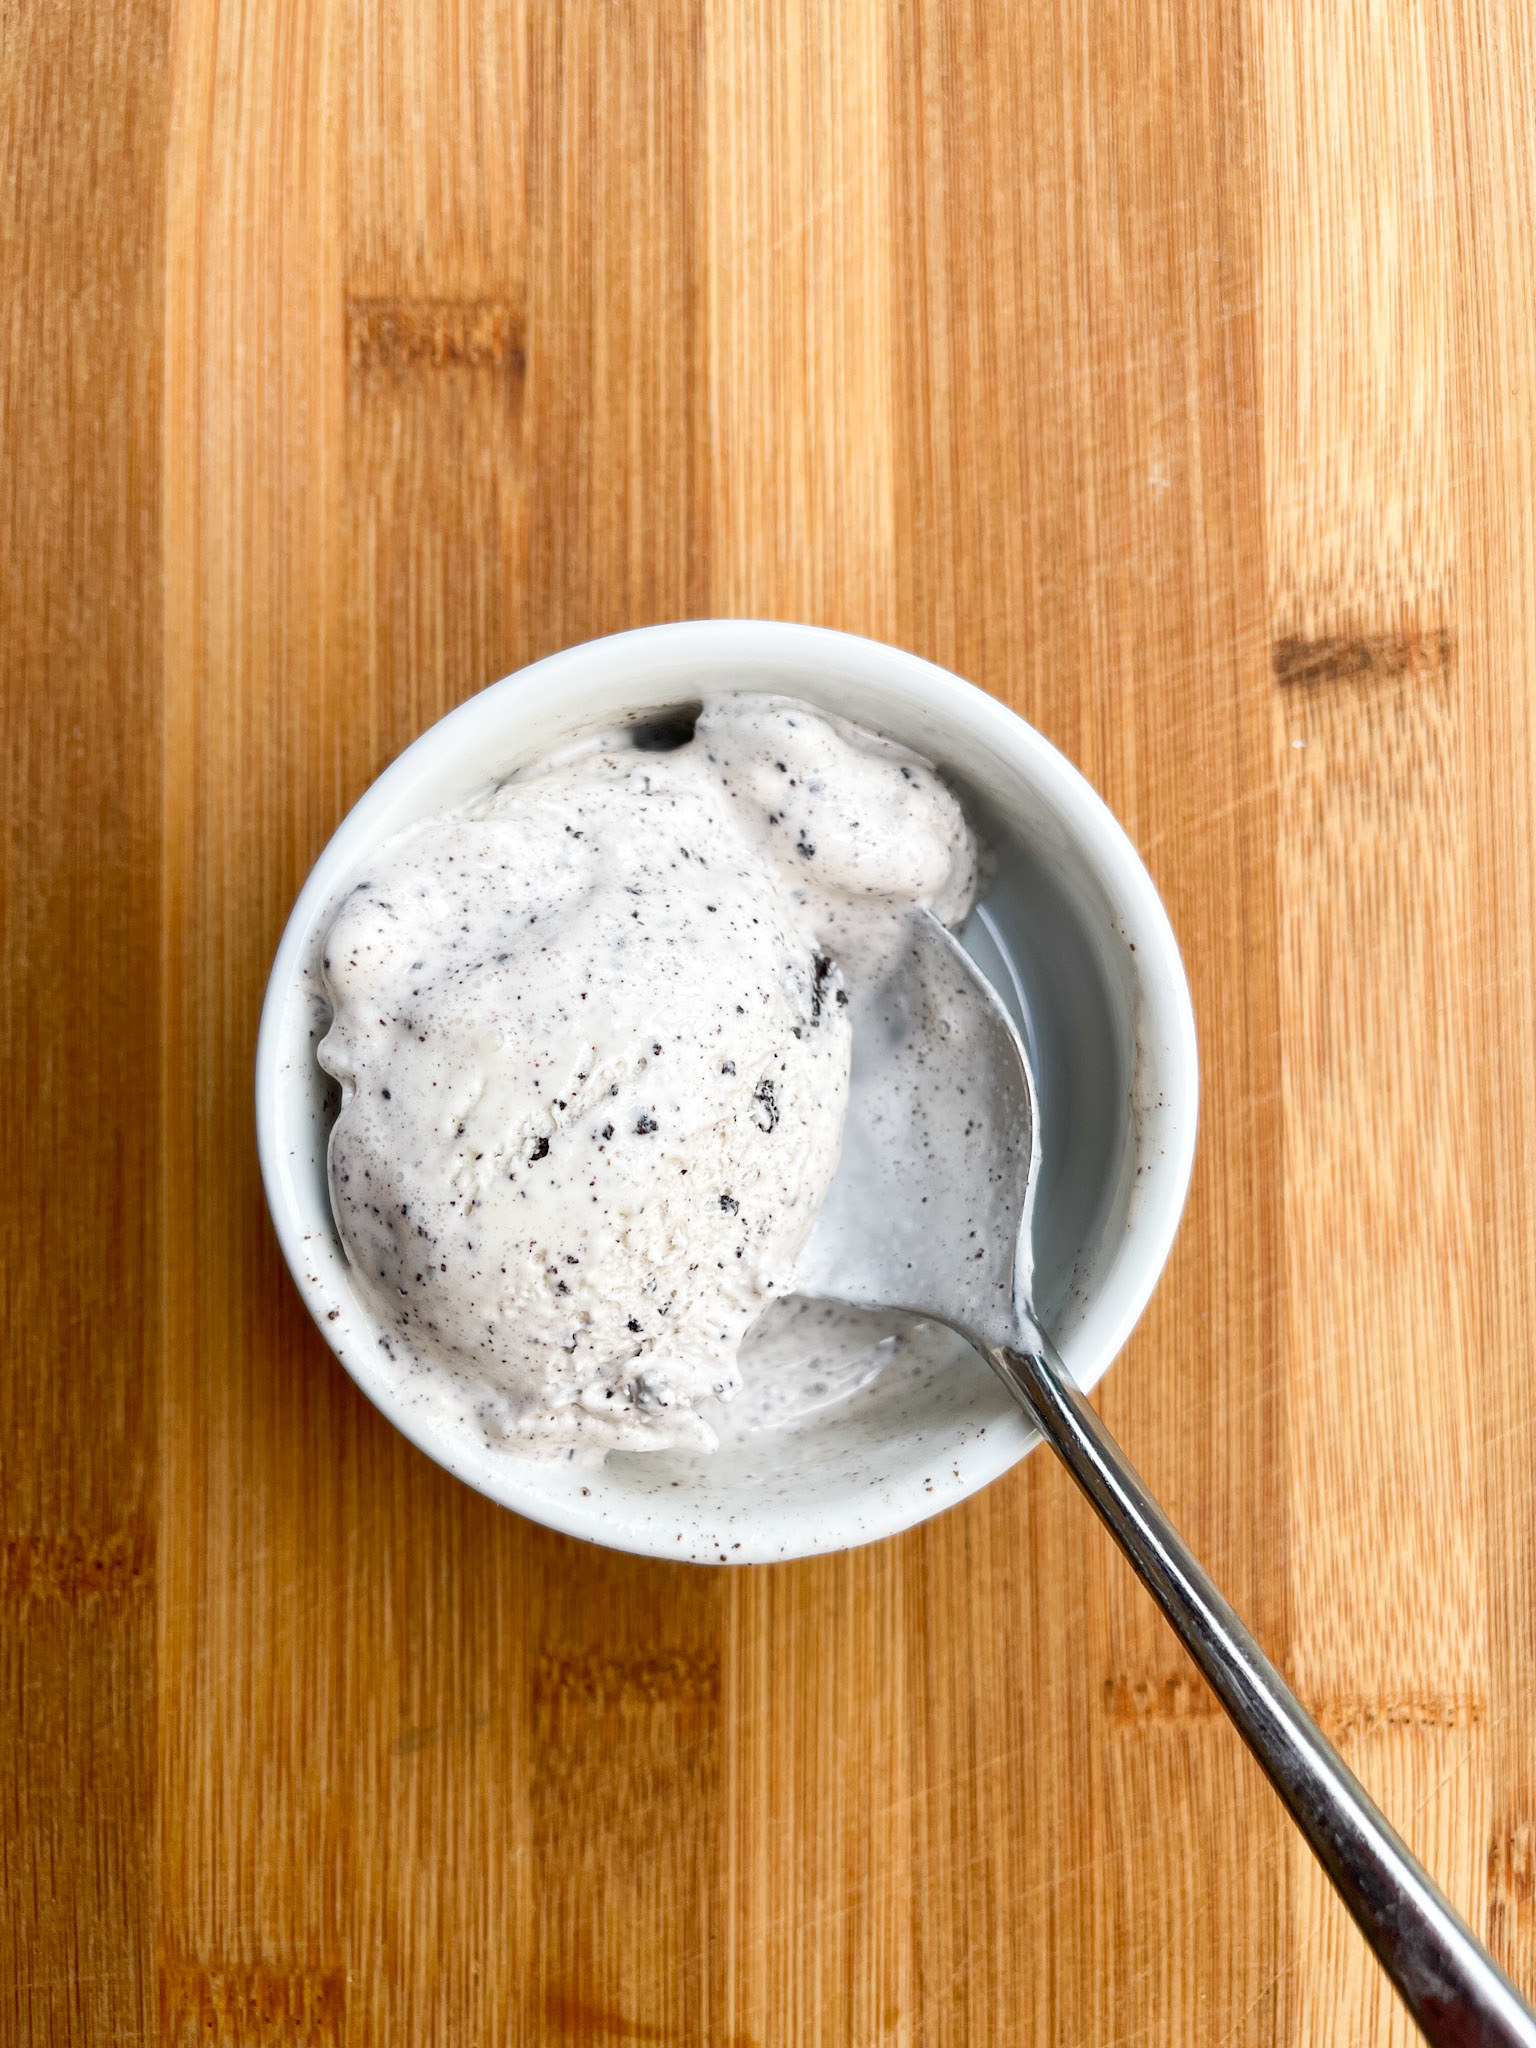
(930, 1212)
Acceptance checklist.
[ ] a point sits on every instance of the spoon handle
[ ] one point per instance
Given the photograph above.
(1449, 1981)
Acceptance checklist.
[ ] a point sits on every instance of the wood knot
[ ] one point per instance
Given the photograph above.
(1344, 1714)
(398, 335)
(1135, 1702)
(1378, 655)
(563, 1680)
(255, 2002)
(73, 1567)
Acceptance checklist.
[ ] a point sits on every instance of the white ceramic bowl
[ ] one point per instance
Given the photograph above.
(1108, 1012)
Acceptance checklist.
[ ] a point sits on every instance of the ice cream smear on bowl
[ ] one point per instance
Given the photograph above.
(591, 1034)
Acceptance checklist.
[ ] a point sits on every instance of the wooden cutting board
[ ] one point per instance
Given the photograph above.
(1170, 370)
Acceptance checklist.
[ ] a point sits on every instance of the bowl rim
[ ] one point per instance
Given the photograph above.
(1165, 1018)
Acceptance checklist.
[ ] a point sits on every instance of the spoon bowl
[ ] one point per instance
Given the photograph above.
(931, 1205)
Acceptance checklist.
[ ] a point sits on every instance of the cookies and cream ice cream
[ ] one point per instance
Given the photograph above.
(592, 1041)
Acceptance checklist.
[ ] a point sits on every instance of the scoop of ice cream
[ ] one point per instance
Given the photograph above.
(594, 1059)
(594, 1071)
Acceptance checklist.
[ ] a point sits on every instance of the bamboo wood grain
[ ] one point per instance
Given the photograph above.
(1171, 372)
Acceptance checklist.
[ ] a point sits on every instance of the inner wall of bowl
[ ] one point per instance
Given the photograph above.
(1081, 1035)
(894, 1452)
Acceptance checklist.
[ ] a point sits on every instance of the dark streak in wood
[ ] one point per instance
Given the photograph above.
(462, 1727)
(1380, 655)
(1512, 1892)
(84, 149)
(399, 334)
(577, 2019)
(1512, 1865)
